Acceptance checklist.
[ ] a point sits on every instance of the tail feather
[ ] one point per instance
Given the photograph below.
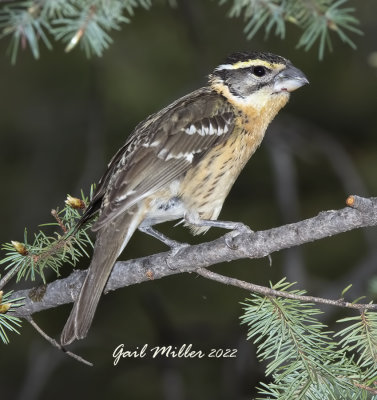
(111, 240)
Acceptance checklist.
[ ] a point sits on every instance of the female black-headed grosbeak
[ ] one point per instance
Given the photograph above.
(181, 163)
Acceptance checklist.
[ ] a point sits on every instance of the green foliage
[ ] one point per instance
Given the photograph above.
(73, 21)
(48, 251)
(89, 25)
(7, 321)
(89, 22)
(361, 337)
(45, 252)
(304, 359)
(316, 18)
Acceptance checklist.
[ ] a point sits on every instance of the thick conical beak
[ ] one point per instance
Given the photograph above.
(290, 79)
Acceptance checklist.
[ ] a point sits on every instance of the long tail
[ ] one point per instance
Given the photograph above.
(110, 242)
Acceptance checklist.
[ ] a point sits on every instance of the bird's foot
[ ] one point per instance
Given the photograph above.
(177, 247)
(174, 250)
(238, 228)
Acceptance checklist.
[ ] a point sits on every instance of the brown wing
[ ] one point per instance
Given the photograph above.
(162, 149)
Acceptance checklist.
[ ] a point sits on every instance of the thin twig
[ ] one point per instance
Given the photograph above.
(56, 344)
(365, 387)
(9, 276)
(226, 280)
(55, 214)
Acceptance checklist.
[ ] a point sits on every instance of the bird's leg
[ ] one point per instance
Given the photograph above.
(237, 228)
(173, 244)
(194, 219)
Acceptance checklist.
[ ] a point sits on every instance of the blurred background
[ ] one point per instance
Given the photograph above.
(64, 116)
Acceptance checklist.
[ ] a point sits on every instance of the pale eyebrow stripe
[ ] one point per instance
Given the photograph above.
(249, 63)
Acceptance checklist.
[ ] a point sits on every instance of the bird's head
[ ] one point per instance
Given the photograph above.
(256, 78)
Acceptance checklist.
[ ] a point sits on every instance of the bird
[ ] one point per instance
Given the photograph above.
(180, 164)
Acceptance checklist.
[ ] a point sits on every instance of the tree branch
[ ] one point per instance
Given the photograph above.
(265, 291)
(362, 212)
(55, 343)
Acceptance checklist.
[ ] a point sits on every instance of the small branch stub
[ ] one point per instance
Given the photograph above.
(361, 204)
(350, 201)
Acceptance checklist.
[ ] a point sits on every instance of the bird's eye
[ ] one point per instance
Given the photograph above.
(259, 71)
